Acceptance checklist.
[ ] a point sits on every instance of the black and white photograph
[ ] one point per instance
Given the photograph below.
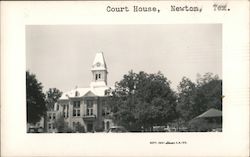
(124, 78)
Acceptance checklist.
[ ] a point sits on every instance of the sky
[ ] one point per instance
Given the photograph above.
(61, 56)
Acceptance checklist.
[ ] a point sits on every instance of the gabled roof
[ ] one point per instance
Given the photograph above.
(99, 62)
(89, 94)
(210, 113)
(84, 92)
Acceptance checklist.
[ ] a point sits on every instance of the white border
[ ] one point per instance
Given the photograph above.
(234, 141)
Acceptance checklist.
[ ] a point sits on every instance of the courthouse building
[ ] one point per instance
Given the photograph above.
(85, 107)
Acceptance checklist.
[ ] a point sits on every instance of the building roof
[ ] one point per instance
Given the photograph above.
(99, 62)
(210, 113)
(84, 92)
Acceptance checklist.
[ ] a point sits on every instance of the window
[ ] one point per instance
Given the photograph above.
(50, 127)
(76, 108)
(97, 76)
(76, 104)
(106, 111)
(64, 112)
(67, 110)
(57, 107)
(50, 117)
(90, 107)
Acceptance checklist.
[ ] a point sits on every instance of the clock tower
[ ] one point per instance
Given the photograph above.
(99, 71)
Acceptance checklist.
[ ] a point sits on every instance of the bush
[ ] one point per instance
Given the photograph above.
(80, 128)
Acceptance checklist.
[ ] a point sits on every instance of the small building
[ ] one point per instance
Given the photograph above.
(211, 120)
(85, 107)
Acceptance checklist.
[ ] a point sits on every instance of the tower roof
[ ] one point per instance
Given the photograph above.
(99, 62)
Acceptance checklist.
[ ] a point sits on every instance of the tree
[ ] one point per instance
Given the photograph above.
(62, 126)
(142, 100)
(196, 98)
(80, 128)
(52, 95)
(35, 99)
(210, 89)
(186, 96)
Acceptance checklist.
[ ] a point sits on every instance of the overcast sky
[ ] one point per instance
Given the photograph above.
(62, 56)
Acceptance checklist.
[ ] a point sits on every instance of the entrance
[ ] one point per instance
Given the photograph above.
(90, 127)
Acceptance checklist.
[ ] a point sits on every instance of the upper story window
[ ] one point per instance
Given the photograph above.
(106, 111)
(76, 108)
(50, 116)
(76, 104)
(54, 116)
(90, 107)
(66, 110)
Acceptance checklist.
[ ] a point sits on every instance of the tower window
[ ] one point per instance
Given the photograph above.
(96, 76)
(99, 76)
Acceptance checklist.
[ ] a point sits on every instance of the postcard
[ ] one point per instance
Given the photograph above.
(125, 78)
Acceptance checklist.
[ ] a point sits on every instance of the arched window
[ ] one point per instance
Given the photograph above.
(99, 76)
(96, 76)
